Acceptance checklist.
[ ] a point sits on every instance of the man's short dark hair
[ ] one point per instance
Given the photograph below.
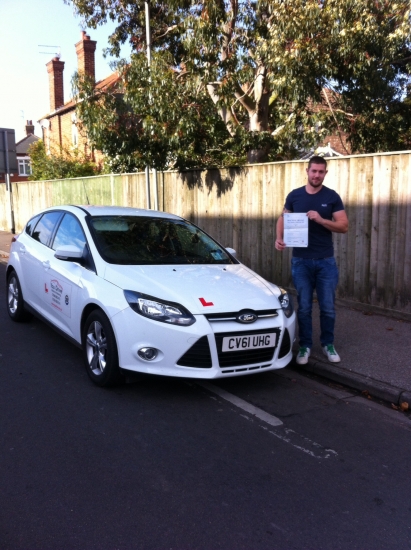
(317, 160)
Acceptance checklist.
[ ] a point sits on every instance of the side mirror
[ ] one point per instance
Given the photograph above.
(69, 253)
(232, 252)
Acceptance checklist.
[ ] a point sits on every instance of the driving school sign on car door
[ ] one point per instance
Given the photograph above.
(58, 295)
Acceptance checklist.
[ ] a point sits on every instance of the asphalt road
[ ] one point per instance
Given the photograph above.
(273, 461)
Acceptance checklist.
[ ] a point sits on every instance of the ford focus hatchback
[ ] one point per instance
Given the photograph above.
(147, 291)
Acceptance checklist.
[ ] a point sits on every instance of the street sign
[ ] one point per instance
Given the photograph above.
(8, 158)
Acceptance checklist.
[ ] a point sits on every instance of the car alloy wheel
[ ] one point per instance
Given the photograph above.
(100, 350)
(15, 304)
(96, 348)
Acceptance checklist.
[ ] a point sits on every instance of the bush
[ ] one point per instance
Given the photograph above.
(59, 164)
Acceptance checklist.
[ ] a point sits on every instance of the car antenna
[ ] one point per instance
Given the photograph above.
(85, 190)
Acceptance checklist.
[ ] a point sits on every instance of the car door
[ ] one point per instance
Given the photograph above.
(62, 294)
(23, 243)
(34, 254)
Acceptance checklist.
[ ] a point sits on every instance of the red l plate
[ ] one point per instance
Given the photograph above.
(204, 303)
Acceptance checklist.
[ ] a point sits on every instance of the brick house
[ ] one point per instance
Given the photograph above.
(22, 154)
(60, 128)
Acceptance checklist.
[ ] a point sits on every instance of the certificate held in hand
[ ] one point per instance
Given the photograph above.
(296, 229)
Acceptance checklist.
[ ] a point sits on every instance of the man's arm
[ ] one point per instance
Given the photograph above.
(339, 223)
(279, 243)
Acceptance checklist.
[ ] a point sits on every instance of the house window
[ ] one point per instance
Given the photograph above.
(24, 167)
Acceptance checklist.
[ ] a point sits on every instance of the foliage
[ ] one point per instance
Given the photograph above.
(179, 129)
(279, 74)
(58, 164)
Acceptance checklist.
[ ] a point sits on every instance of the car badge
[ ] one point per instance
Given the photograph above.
(246, 316)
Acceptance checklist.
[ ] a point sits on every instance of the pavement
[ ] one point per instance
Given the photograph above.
(375, 351)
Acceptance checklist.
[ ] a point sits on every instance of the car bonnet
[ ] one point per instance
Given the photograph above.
(200, 288)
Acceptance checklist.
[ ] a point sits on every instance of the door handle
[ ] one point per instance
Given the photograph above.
(46, 265)
(22, 249)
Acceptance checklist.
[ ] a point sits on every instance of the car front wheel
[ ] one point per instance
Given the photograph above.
(15, 304)
(100, 350)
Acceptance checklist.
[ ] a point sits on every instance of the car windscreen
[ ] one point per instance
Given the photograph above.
(141, 240)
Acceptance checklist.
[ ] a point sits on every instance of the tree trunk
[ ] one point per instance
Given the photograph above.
(225, 114)
(259, 123)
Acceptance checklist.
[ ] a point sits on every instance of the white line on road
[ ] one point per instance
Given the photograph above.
(287, 435)
(241, 404)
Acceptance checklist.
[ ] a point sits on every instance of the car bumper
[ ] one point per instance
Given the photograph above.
(196, 351)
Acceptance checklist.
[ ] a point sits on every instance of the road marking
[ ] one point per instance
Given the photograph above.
(241, 404)
(296, 440)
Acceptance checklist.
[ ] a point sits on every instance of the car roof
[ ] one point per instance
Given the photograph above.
(93, 210)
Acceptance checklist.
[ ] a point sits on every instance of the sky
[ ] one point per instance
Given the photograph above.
(24, 26)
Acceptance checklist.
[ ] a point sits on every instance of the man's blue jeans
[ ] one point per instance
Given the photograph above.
(321, 275)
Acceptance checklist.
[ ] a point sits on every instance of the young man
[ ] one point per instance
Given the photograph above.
(314, 267)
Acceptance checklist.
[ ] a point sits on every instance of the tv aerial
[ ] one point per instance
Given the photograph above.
(56, 52)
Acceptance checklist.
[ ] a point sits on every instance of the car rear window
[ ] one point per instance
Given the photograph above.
(132, 240)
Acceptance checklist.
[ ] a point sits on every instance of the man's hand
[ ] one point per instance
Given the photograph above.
(339, 223)
(315, 216)
(279, 244)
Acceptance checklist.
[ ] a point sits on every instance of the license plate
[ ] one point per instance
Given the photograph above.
(251, 341)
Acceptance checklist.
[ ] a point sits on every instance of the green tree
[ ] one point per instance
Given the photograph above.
(58, 164)
(153, 117)
(281, 74)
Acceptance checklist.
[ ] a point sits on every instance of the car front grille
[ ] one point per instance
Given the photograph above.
(198, 356)
(255, 368)
(232, 315)
(246, 357)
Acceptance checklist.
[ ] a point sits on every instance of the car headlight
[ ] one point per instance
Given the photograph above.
(286, 302)
(153, 308)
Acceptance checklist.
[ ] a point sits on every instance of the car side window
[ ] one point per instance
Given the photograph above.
(44, 228)
(69, 232)
(32, 223)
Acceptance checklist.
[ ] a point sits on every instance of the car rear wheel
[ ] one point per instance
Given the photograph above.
(100, 350)
(15, 304)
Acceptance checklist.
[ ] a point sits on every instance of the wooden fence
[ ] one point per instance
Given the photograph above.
(239, 207)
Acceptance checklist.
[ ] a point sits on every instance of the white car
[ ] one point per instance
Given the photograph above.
(147, 291)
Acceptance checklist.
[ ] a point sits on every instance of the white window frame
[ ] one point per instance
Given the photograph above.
(24, 166)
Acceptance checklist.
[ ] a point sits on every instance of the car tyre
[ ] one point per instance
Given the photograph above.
(14, 296)
(100, 350)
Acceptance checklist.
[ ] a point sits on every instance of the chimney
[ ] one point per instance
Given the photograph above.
(85, 56)
(29, 127)
(55, 68)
